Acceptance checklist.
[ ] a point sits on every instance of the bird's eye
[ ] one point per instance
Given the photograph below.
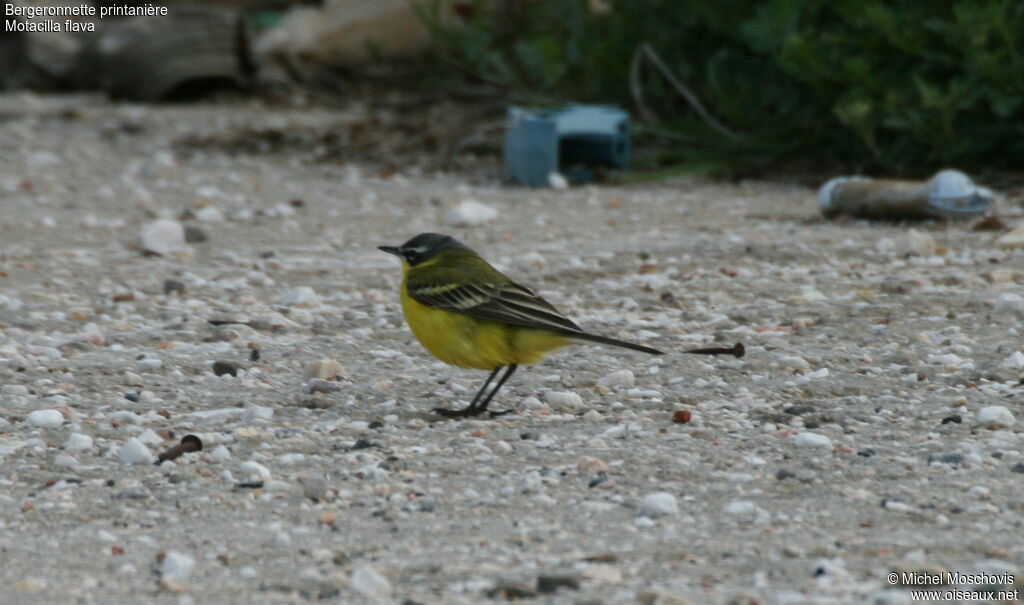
(412, 256)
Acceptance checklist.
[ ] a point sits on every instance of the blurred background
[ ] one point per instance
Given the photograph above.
(729, 88)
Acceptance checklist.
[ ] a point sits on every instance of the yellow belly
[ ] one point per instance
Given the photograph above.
(466, 342)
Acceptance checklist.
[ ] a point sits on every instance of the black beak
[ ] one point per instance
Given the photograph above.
(390, 250)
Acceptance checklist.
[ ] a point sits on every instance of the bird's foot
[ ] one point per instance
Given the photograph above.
(468, 412)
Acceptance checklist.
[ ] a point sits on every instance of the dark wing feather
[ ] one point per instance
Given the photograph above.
(508, 303)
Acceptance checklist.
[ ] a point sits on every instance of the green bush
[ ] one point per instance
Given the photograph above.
(880, 85)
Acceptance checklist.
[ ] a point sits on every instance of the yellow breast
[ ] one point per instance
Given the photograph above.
(467, 342)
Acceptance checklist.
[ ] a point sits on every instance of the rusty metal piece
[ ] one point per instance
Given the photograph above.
(189, 443)
(737, 349)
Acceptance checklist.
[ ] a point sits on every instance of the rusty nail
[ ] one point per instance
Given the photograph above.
(189, 443)
(738, 350)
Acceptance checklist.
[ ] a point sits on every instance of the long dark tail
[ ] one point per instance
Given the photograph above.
(615, 343)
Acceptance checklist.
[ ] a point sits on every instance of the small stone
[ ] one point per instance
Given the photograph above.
(557, 181)
(149, 364)
(589, 464)
(566, 401)
(1015, 361)
(996, 417)
(135, 452)
(1017, 468)
(150, 437)
(1013, 239)
(220, 454)
(47, 419)
(658, 504)
(549, 583)
(222, 367)
(951, 458)
(1008, 302)
(620, 378)
(173, 286)
(740, 508)
(163, 237)
(209, 214)
(314, 488)
(318, 385)
(812, 440)
(302, 296)
(368, 581)
(15, 389)
(257, 412)
(682, 416)
(511, 590)
(322, 369)
(602, 573)
(77, 442)
(133, 380)
(799, 410)
(254, 471)
(470, 213)
(920, 243)
(176, 567)
(66, 461)
(195, 235)
(896, 505)
(953, 419)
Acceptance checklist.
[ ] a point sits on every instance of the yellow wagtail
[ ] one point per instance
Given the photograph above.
(469, 314)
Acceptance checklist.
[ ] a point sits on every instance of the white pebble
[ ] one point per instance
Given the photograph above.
(322, 369)
(620, 378)
(996, 417)
(368, 581)
(47, 419)
(135, 452)
(65, 460)
(920, 243)
(254, 471)
(1013, 239)
(658, 504)
(806, 439)
(77, 442)
(163, 237)
(209, 214)
(149, 364)
(133, 380)
(1015, 361)
(257, 412)
(303, 296)
(470, 213)
(557, 181)
(565, 401)
(15, 389)
(741, 508)
(149, 437)
(220, 454)
(1007, 302)
(248, 571)
(177, 566)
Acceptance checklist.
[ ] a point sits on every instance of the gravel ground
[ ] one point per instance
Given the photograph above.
(870, 427)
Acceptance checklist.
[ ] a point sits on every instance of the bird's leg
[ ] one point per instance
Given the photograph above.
(483, 405)
(469, 410)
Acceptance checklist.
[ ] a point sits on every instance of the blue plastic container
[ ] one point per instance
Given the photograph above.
(579, 142)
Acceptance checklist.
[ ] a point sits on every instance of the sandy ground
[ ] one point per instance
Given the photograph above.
(852, 440)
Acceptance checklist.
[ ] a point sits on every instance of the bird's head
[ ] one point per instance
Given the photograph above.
(423, 248)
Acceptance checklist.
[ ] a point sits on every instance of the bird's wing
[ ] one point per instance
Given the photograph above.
(504, 302)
